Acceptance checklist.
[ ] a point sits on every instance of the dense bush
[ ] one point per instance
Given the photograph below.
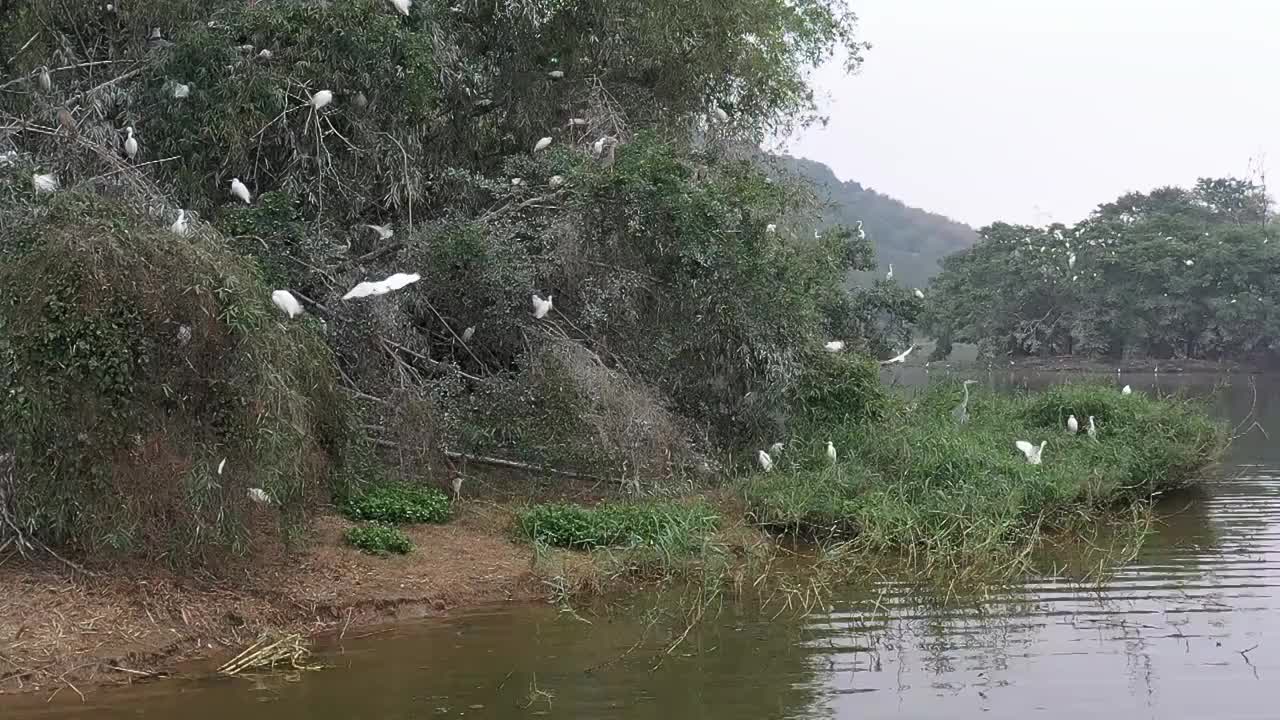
(377, 539)
(674, 526)
(400, 504)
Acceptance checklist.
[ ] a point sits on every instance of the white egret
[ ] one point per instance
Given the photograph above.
(517, 182)
(556, 74)
(384, 231)
(222, 465)
(466, 334)
(775, 449)
(766, 462)
(130, 143)
(555, 181)
(181, 90)
(1071, 261)
(899, 357)
(831, 451)
(321, 98)
(259, 496)
(382, 287)
(240, 191)
(1032, 452)
(184, 334)
(577, 122)
(720, 114)
(918, 293)
(771, 228)
(889, 275)
(265, 54)
(46, 81)
(44, 183)
(961, 412)
(1093, 430)
(862, 234)
(1127, 390)
(179, 226)
(1073, 425)
(541, 307)
(1188, 262)
(402, 6)
(542, 144)
(286, 302)
(457, 488)
(597, 147)
(834, 346)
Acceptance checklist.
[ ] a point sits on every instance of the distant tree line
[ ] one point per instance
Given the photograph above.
(1175, 273)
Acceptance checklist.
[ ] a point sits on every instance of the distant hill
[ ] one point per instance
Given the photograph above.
(913, 240)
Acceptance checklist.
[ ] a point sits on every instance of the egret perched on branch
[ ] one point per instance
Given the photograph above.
(240, 191)
(179, 226)
(259, 496)
(766, 462)
(918, 293)
(382, 287)
(834, 346)
(556, 74)
(321, 98)
(286, 302)
(862, 234)
(1127, 390)
(831, 451)
(402, 6)
(1032, 452)
(961, 412)
(181, 90)
(1093, 430)
(775, 449)
(130, 143)
(541, 307)
(1073, 425)
(899, 357)
(44, 183)
(384, 231)
(542, 144)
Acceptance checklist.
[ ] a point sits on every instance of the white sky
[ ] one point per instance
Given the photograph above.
(1038, 110)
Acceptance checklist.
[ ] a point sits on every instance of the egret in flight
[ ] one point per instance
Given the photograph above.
(899, 357)
(1032, 452)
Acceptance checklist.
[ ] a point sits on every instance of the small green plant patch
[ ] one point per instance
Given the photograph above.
(378, 539)
(677, 527)
(400, 505)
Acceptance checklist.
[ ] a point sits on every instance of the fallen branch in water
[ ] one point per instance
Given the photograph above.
(267, 652)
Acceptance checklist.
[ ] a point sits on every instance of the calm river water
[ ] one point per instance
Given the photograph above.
(1190, 629)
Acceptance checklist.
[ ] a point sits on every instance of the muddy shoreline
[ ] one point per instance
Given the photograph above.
(62, 631)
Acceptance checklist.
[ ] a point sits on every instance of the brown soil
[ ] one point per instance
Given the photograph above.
(62, 629)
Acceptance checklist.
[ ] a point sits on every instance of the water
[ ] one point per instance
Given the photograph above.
(1189, 629)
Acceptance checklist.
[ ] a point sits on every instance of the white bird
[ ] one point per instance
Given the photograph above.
(240, 191)
(382, 287)
(720, 114)
(286, 302)
(321, 98)
(259, 496)
(44, 183)
(899, 358)
(555, 181)
(466, 334)
(179, 226)
(181, 90)
(766, 462)
(862, 234)
(46, 82)
(184, 334)
(517, 182)
(1188, 262)
(834, 346)
(384, 231)
(222, 465)
(541, 307)
(597, 147)
(1073, 425)
(130, 143)
(542, 144)
(577, 122)
(775, 449)
(1093, 430)
(918, 293)
(266, 54)
(831, 451)
(1127, 390)
(1032, 452)
(889, 275)
(402, 6)
(457, 488)
(1071, 261)
(556, 74)
(771, 228)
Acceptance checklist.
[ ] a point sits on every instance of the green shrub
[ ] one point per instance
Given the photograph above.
(378, 539)
(400, 504)
(675, 526)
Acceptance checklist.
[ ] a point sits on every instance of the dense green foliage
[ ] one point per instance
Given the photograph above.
(1174, 273)
(400, 504)
(377, 539)
(920, 480)
(672, 526)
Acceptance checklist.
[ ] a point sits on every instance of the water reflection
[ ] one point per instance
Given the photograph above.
(1189, 629)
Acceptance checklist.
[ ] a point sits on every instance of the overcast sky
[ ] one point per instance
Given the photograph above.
(1038, 110)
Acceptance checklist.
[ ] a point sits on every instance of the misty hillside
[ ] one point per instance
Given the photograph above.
(913, 240)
